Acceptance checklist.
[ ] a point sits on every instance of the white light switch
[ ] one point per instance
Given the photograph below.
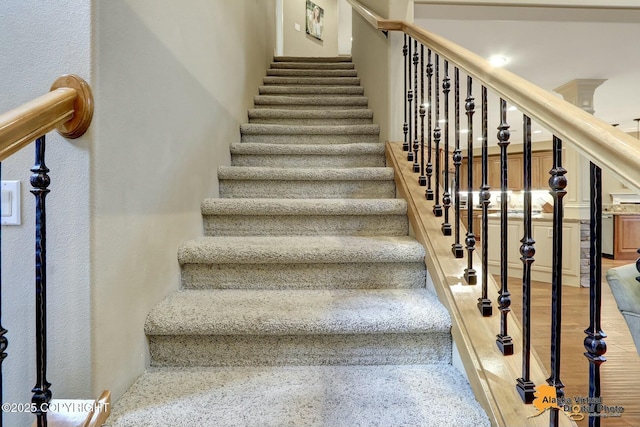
(6, 203)
(296, 26)
(10, 202)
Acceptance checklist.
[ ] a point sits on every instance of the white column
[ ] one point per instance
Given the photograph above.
(579, 92)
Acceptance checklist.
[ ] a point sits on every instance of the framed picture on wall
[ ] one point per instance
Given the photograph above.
(315, 20)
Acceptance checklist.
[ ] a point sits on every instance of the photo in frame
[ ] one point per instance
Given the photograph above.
(315, 20)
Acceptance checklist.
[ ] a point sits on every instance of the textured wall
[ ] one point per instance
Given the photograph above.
(174, 81)
(299, 43)
(40, 41)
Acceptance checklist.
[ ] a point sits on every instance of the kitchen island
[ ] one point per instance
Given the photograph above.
(542, 232)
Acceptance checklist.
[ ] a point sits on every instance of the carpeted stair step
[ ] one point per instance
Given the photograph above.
(297, 217)
(310, 396)
(311, 73)
(315, 134)
(310, 117)
(299, 327)
(308, 155)
(311, 90)
(306, 81)
(310, 102)
(313, 65)
(302, 262)
(325, 59)
(308, 183)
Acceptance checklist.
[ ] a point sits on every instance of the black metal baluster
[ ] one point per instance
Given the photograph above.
(504, 341)
(429, 191)
(416, 165)
(410, 99)
(405, 126)
(422, 179)
(594, 342)
(437, 134)
(446, 196)
(558, 183)
(3, 339)
(484, 303)
(40, 181)
(470, 105)
(524, 385)
(456, 247)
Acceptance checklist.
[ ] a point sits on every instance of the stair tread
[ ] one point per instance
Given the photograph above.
(310, 114)
(292, 312)
(308, 90)
(436, 395)
(311, 99)
(344, 58)
(304, 81)
(273, 207)
(314, 65)
(297, 249)
(288, 129)
(305, 174)
(309, 149)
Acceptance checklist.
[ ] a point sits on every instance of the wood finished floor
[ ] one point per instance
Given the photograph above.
(620, 374)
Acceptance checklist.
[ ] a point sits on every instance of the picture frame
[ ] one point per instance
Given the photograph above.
(315, 20)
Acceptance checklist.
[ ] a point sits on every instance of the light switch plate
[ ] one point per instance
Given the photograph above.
(10, 203)
(296, 26)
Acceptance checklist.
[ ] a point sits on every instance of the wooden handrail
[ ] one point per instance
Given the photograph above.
(67, 107)
(601, 143)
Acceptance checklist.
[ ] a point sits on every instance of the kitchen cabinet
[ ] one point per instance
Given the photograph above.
(477, 224)
(626, 240)
(477, 174)
(514, 170)
(541, 164)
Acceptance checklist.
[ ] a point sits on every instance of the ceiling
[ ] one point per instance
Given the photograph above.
(551, 46)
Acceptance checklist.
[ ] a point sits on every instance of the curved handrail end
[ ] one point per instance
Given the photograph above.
(82, 106)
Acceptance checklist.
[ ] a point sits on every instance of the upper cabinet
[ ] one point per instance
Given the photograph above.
(541, 164)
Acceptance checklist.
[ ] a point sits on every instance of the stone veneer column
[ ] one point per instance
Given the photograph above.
(579, 92)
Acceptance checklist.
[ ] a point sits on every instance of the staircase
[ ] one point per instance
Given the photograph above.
(305, 303)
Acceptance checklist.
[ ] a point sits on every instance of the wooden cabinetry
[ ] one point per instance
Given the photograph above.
(477, 224)
(541, 164)
(626, 240)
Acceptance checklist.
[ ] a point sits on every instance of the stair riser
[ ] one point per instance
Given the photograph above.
(313, 59)
(307, 225)
(312, 73)
(261, 350)
(313, 66)
(381, 275)
(308, 161)
(308, 122)
(312, 90)
(307, 189)
(329, 81)
(311, 139)
(311, 106)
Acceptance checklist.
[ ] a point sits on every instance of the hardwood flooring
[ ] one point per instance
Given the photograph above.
(620, 374)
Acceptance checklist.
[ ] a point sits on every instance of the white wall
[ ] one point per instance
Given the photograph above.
(174, 81)
(344, 27)
(41, 41)
(299, 43)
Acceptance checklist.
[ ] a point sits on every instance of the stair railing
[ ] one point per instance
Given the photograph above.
(68, 107)
(605, 146)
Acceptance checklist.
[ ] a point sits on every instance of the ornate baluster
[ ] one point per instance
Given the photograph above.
(594, 342)
(405, 126)
(456, 248)
(416, 165)
(484, 303)
(437, 134)
(429, 192)
(558, 183)
(470, 273)
(524, 385)
(504, 341)
(40, 181)
(446, 196)
(410, 99)
(422, 179)
(3, 339)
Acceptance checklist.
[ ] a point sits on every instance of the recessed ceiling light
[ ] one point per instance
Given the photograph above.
(537, 131)
(479, 138)
(464, 130)
(442, 121)
(512, 108)
(497, 60)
